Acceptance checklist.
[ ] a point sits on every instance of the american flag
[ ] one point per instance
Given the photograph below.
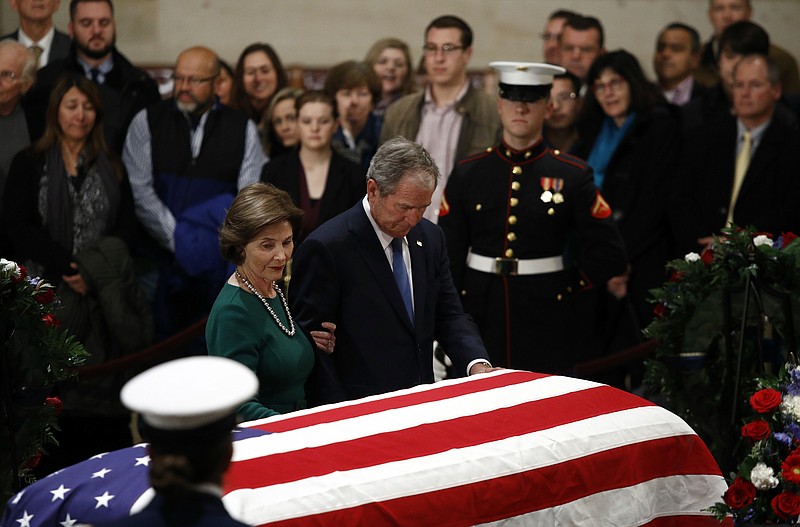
(507, 448)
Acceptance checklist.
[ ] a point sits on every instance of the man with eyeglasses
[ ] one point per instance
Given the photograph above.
(124, 89)
(508, 214)
(450, 118)
(17, 73)
(561, 121)
(551, 37)
(187, 157)
(582, 41)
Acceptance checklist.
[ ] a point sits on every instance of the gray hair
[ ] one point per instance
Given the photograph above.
(29, 68)
(773, 70)
(398, 158)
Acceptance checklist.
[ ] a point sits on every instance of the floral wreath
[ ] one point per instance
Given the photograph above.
(35, 354)
(699, 373)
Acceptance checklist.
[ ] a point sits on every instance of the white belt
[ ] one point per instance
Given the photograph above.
(515, 266)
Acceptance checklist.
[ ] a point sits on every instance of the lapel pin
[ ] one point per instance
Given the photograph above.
(419, 243)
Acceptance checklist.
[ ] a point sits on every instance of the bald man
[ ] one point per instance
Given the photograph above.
(186, 158)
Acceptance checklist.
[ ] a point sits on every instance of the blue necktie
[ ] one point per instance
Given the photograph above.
(401, 276)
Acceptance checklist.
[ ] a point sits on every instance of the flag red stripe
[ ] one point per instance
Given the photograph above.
(430, 438)
(436, 393)
(534, 490)
(689, 521)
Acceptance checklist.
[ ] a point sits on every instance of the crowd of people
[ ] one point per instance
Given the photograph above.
(559, 197)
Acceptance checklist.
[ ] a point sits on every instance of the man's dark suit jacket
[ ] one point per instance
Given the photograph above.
(768, 196)
(341, 275)
(346, 184)
(59, 49)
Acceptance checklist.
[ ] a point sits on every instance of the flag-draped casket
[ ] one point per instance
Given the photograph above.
(511, 448)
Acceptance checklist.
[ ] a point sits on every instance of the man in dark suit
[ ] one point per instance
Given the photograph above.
(676, 58)
(124, 89)
(740, 169)
(37, 32)
(381, 273)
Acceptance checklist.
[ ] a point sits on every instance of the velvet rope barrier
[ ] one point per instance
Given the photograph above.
(614, 360)
(155, 352)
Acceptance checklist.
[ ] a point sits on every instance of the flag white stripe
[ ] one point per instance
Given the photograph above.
(344, 489)
(407, 417)
(630, 506)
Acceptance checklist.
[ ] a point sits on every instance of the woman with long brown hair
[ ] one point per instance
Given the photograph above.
(68, 210)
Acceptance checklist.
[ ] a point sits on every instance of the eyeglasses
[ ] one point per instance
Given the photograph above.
(549, 36)
(192, 81)
(446, 49)
(565, 96)
(9, 76)
(614, 85)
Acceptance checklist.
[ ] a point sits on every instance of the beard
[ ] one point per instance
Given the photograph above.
(95, 53)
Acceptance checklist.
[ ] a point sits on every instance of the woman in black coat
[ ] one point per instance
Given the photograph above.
(631, 139)
(320, 181)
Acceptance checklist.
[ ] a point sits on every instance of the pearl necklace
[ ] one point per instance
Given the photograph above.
(291, 330)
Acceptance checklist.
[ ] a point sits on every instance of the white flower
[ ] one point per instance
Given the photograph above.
(791, 406)
(762, 239)
(9, 269)
(763, 477)
(692, 257)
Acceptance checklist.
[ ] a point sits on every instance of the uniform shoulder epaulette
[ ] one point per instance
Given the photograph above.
(477, 156)
(567, 158)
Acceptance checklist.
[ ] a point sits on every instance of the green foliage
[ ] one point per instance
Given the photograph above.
(694, 368)
(36, 355)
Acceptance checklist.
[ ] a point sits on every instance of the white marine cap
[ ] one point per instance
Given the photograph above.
(189, 393)
(526, 73)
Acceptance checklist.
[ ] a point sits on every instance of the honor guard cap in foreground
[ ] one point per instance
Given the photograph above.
(525, 81)
(189, 393)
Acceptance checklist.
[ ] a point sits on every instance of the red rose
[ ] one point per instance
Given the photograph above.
(756, 430)
(790, 468)
(660, 310)
(56, 403)
(51, 321)
(765, 401)
(45, 296)
(786, 505)
(788, 237)
(677, 276)
(740, 494)
(707, 257)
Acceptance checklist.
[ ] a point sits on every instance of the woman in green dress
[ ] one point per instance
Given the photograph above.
(250, 321)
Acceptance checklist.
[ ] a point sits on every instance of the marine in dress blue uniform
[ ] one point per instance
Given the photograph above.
(508, 215)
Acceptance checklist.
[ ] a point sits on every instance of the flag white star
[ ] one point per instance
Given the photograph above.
(102, 501)
(17, 497)
(142, 461)
(59, 493)
(99, 456)
(25, 521)
(68, 521)
(141, 445)
(101, 473)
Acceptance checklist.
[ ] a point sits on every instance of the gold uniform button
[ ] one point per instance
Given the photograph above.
(557, 152)
(512, 220)
(582, 283)
(515, 185)
(489, 149)
(551, 211)
(528, 154)
(511, 237)
(516, 170)
(559, 297)
(509, 253)
(569, 289)
(508, 153)
(463, 292)
(513, 202)
(478, 207)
